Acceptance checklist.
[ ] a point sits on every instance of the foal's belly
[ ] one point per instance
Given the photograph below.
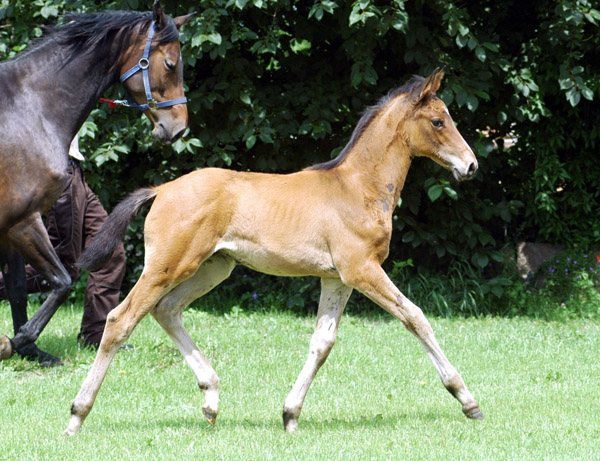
(290, 260)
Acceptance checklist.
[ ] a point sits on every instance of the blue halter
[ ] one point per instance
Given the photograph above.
(143, 65)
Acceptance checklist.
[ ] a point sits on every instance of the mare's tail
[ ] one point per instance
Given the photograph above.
(113, 230)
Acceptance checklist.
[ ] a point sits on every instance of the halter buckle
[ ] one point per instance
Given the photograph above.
(153, 104)
(144, 63)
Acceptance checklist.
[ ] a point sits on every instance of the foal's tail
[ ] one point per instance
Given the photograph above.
(113, 230)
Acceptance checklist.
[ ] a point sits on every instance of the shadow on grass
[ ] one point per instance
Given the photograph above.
(306, 425)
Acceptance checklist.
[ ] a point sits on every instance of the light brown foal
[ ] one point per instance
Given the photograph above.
(333, 221)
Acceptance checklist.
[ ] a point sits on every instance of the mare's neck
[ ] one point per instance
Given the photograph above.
(64, 85)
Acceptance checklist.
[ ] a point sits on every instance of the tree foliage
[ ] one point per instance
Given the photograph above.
(276, 85)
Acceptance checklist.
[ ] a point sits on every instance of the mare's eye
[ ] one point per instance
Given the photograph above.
(169, 65)
(437, 123)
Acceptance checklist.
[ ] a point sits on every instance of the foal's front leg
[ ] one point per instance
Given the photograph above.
(334, 296)
(373, 282)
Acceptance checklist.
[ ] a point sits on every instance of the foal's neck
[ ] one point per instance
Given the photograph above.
(381, 156)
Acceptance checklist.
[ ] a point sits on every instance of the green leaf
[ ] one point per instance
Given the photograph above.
(573, 96)
(245, 98)
(472, 103)
(250, 141)
(480, 53)
(451, 193)
(479, 259)
(434, 192)
(587, 93)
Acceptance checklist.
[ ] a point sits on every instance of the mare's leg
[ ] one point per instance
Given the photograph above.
(15, 288)
(334, 296)
(30, 239)
(372, 281)
(168, 314)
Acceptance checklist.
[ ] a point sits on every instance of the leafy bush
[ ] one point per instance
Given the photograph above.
(275, 85)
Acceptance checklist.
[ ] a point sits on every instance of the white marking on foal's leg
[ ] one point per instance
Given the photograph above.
(168, 314)
(334, 296)
(207, 378)
(418, 324)
(119, 324)
(374, 283)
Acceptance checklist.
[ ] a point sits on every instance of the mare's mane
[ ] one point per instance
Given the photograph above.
(84, 32)
(368, 115)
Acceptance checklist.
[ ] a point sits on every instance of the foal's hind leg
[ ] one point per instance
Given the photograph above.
(334, 296)
(373, 282)
(168, 314)
(120, 323)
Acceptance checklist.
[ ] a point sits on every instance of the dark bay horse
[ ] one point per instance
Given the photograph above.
(46, 94)
(333, 221)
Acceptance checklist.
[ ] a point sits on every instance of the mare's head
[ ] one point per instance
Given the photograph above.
(429, 130)
(165, 74)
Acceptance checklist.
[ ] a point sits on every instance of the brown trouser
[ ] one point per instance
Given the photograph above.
(72, 223)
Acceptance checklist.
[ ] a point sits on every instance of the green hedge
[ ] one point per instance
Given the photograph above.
(278, 85)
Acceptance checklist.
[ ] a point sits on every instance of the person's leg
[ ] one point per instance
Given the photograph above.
(104, 285)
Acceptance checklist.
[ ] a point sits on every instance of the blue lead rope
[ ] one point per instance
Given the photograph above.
(143, 65)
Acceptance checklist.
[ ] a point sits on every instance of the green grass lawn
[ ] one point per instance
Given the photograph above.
(377, 396)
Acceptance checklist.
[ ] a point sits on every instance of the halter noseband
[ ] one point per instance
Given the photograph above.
(143, 65)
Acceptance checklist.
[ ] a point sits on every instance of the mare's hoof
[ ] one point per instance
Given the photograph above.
(473, 413)
(6, 348)
(32, 352)
(210, 415)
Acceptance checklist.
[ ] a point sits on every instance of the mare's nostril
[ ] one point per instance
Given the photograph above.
(177, 136)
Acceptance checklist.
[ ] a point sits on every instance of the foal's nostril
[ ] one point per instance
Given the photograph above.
(472, 169)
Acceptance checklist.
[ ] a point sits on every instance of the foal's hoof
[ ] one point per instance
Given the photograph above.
(290, 423)
(6, 348)
(473, 412)
(210, 415)
(32, 352)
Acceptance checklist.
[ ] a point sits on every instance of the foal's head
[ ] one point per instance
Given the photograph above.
(430, 131)
(165, 71)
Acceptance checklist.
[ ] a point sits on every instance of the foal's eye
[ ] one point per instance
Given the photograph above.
(437, 123)
(169, 65)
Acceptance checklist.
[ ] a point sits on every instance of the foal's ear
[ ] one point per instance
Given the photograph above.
(428, 87)
(181, 20)
(158, 15)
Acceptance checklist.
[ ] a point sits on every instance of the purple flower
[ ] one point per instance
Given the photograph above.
(566, 271)
(574, 262)
(254, 295)
(569, 259)
(592, 269)
(551, 270)
(562, 304)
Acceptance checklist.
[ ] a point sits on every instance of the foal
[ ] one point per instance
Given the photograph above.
(204, 223)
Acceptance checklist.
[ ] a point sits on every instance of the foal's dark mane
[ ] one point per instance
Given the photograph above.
(83, 32)
(368, 115)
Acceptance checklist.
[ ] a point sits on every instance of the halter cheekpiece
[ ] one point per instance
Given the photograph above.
(143, 65)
